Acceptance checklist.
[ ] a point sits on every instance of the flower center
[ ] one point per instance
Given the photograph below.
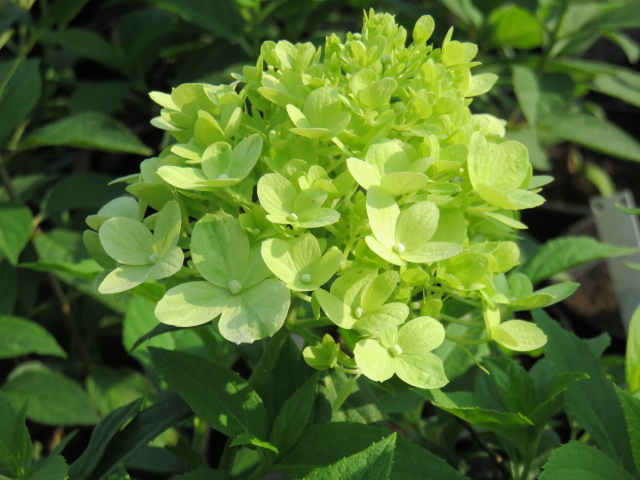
(223, 176)
(358, 312)
(292, 217)
(234, 286)
(305, 278)
(398, 248)
(395, 351)
(153, 258)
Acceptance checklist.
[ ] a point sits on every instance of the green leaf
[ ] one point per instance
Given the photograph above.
(20, 90)
(222, 19)
(146, 426)
(89, 130)
(410, 462)
(111, 388)
(527, 88)
(102, 434)
(373, 463)
(591, 403)
(632, 360)
(22, 337)
(216, 394)
(513, 426)
(513, 383)
(86, 44)
(294, 416)
(63, 11)
(16, 450)
(594, 133)
(15, 230)
(53, 399)
(54, 468)
(563, 253)
(249, 439)
(83, 191)
(623, 86)
(511, 26)
(631, 408)
(205, 474)
(577, 461)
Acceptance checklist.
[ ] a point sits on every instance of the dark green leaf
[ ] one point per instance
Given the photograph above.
(373, 463)
(8, 287)
(86, 44)
(111, 388)
(89, 130)
(205, 474)
(215, 393)
(84, 191)
(591, 403)
(103, 97)
(22, 337)
(108, 427)
(527, 88)
(154, 332)
(249, 439)
(15, 229)
(16, 449)
(53, 399)
(513, 382)
(631, 409)
(20, 89)
(564, 253)
(220, 18)
(294, 416)
(54, 468)
(577, 461)
(594, 133)
(150, 423)
(326, 443)
(63, 11)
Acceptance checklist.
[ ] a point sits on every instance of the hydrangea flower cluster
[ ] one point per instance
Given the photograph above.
(352, 180)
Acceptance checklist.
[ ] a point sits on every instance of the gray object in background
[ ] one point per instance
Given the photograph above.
(619, 228)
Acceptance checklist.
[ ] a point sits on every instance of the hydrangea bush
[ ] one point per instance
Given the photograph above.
(348, 185)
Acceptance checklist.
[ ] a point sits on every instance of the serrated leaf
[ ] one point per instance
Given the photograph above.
(216, 394)
(19, 336)
(294, 416)
(576, 460)
(563, 253)
(374, 463)
(16, 449)
(89, 130)
(631, 408)
(632, 357)
(591, 403)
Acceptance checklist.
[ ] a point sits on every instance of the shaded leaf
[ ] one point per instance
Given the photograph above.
(19, 336)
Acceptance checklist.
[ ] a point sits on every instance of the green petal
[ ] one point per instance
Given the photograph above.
(417, 224)
(276, 194)
(118, 207)
(321, 218)
(383, 213)
(380, 289)
(519, 335)
(126, 241)
(421, 370)
(338, 312)
(256, 268)
(374, 361)
(384, 252)
(420, 335)
(245, 156)
(219, 248)
(191, 304)
(216, 160)
(364, 173)
(432, 252)
(386, 316)
(187, 178)
(399, 183)
(167, 265)
(257, 312)
(318, 272)
(351, 286)
(308, 202)
(167, 229)
(123, 278)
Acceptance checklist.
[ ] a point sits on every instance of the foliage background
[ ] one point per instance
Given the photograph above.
(74, 109)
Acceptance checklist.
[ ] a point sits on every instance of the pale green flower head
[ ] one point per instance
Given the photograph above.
(346, 189)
